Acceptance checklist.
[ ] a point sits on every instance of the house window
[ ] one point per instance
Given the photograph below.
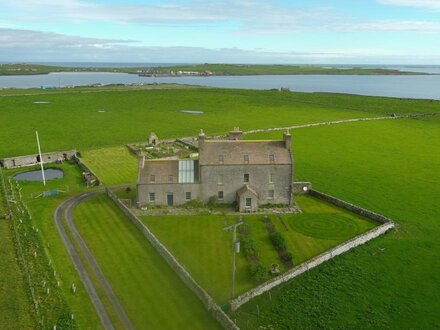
(220, 195)
(271, 158)
(152, 197)
(270, 177)
(188, 195)
(271, 194)
(248, 202)
(152, 178)
(246, 178)
(220, 179)
(221, 159)
(246, 159)
(170, 178)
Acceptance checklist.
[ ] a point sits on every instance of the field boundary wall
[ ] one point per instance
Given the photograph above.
(87, 169)
(386, 224)
(187, 279)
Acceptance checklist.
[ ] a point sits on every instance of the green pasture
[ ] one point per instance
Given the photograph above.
(15, 305)
(391, 167)
(151, 293)
(42, 210)
(115, 165)
(204, 248)
(84, 121)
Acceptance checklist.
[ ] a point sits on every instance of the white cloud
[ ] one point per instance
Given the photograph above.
(394, 26)
(424, 4)
(34, 46)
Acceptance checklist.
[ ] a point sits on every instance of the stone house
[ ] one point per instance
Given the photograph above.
(248, 172)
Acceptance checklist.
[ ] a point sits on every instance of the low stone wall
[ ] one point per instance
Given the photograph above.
(350, 207)
(30, 160)
(204, 297)
(301, 188)
(86, 169)
(386, 225)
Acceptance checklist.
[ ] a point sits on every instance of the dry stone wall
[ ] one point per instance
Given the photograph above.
(204, 297)
(386, 225)
(350, 207)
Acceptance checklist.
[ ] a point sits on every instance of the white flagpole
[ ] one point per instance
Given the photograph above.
(41, 158)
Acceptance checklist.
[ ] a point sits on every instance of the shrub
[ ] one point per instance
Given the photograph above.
(270, 227)
(128, 190)
(277, 241)
(257, 272)
(248, 247)
(212, 200)
(287, 257)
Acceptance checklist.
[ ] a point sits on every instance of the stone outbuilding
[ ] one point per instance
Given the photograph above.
(153, 139)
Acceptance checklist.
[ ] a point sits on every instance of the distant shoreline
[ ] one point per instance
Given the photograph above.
(203, 70)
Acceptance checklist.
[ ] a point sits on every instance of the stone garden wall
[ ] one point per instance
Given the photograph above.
(204, 297)
(299, 188)
(386, 225)
(90, 177)
(350, 207)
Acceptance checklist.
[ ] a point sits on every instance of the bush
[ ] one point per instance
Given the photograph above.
(257, 272)
(278, 241)
(287, 257)
(212, 200)
(248, 247)
(270, 227)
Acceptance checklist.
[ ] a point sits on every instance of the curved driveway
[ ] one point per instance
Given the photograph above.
(66, 209)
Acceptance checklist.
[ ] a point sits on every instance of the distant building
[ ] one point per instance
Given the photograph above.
(250, 173)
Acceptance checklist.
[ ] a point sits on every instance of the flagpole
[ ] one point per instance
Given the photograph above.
(41, 158)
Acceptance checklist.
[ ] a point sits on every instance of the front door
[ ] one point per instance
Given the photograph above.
(170, 199)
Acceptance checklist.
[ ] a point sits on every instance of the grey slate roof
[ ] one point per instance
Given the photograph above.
(233, 152)
(245, 189)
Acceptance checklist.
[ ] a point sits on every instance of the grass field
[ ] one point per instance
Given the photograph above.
(389, 167)
(151, 293)
(42, 210)
(75, 120)
(114, 165)
(15, 305)
(198, 241)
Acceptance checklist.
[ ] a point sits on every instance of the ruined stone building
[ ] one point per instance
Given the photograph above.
(250, 173)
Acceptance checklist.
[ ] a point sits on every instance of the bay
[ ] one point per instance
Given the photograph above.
(402, 86)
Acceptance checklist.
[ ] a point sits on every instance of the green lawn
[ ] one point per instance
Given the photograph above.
(114, 165)
(42, 210)
(150, 292)
(204, 248)
(389, 167)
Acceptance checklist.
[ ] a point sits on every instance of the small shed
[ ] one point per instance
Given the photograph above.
(247, 199)
(153, 139)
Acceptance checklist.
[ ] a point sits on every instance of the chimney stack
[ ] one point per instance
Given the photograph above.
(287, 139)
(201, 139)
(235, 134)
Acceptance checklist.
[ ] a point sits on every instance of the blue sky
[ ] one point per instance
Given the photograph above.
(232, 31)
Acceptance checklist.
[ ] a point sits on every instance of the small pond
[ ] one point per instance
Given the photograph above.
(49, 174)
